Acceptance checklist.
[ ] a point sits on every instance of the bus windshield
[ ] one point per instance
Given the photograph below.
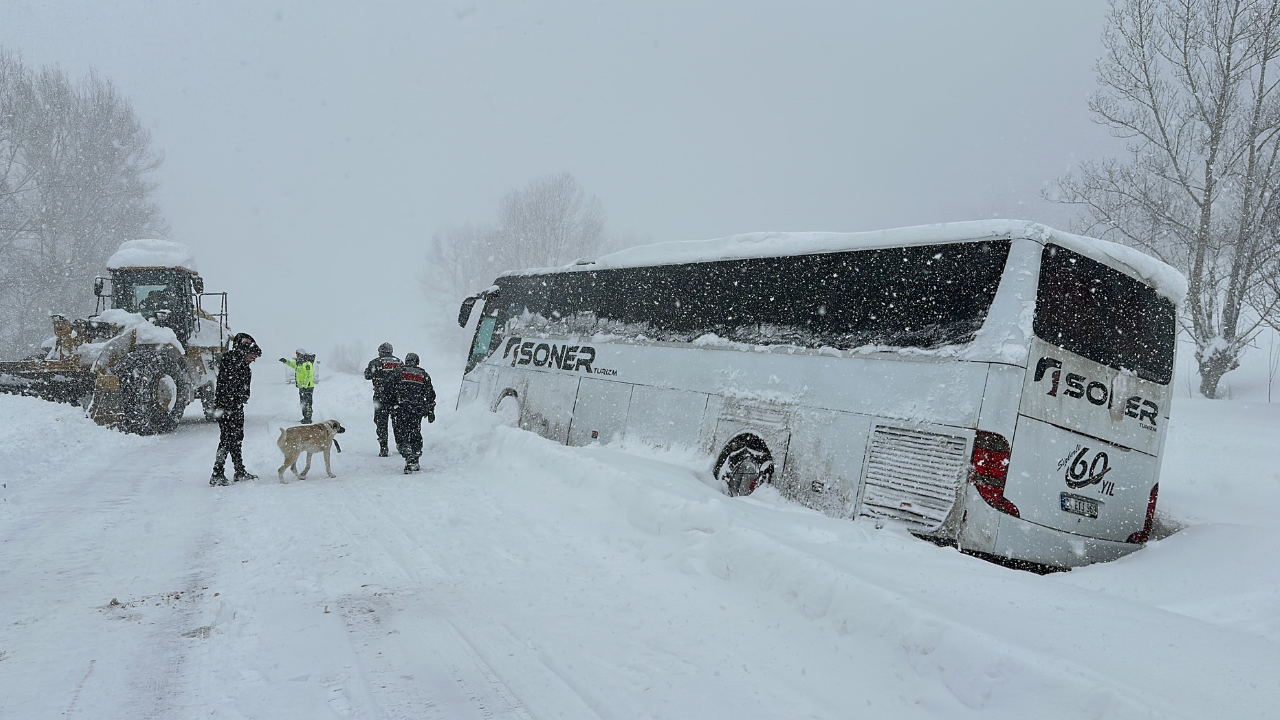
(1104, 315)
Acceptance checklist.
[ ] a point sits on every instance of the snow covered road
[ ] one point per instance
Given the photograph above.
(515, 578)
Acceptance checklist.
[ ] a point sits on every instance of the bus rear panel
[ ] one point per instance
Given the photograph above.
(1094, 409)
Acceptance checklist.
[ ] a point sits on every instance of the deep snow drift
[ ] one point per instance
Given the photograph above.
(516, 578)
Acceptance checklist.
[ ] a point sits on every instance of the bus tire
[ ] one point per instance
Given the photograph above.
(507, 406)
(508, 393)
(744, 465)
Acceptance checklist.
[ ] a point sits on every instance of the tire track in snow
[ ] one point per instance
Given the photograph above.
(494, 675)
(87, 538)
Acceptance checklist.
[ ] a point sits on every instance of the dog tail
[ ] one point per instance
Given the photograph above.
(280, 440)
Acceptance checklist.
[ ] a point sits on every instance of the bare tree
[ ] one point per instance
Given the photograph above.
(462, 259)
(1192, 86)
(73, 167)
(15, 179)
(550, 221)
(1273, 364)
(348, 357)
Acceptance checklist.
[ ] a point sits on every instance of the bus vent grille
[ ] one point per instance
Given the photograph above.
(913, 476)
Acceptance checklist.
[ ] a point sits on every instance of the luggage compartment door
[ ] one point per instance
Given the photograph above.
(601, 412)
(547, 407)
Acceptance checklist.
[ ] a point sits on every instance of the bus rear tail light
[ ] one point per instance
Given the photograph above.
(990, 469)
(1142, 535)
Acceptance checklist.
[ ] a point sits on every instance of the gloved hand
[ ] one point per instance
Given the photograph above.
(431, 415)
(283, 360)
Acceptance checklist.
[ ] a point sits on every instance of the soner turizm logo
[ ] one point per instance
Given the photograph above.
(563, 357)
(1079, 386)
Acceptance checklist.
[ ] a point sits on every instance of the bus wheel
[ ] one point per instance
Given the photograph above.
(744, 465)
(508, 408)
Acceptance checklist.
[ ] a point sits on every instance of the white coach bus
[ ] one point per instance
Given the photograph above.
(996, 385)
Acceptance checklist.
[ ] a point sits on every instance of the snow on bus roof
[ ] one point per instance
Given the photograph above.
(152, 254)
(1163, 278)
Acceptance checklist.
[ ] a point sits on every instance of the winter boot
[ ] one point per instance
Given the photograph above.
(238, 461)
(219, 476)
(383, 452)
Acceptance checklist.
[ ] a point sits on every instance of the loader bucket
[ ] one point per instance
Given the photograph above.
(65, 381)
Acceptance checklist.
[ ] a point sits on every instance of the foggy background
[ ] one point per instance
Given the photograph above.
(312, 148)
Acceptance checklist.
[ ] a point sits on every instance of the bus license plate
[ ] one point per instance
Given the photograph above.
(1080, 505)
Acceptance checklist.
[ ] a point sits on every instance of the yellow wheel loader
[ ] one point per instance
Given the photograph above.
(150, 349)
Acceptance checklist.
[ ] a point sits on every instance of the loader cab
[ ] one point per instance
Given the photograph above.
(163, 295)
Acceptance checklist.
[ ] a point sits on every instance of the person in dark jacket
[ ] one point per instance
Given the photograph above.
(377, 371)
(408, 387)
(232, 393)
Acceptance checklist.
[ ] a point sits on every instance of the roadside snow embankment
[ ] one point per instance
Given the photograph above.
(38, 438)
(515, 577)
(1220, 479)
(652, 547)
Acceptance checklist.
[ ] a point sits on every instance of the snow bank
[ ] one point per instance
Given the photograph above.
(39, 440)
(920, 617)
(152, 253)
(515, 577)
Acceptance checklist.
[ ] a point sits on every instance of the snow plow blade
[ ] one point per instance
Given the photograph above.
(65, 381)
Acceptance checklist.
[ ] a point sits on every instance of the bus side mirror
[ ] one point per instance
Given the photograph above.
(197, 284)
(464, 312)
(98, 284)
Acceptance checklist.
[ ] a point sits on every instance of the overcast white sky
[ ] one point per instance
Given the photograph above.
(313, 145)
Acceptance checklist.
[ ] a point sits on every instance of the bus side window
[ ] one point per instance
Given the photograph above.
(917, 296)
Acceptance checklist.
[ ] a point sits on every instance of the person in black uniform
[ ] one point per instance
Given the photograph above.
(408, 387)
(232, 393)
(376, 371)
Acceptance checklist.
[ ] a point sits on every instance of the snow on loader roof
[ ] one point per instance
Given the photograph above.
(152, 253)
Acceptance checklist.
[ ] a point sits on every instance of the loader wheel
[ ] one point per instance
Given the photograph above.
(154, 390)
(206, 394)
(744, 465)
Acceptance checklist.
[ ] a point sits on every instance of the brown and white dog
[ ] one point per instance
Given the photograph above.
(309, 439)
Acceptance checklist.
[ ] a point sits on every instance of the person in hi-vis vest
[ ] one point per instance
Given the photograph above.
(304, 376)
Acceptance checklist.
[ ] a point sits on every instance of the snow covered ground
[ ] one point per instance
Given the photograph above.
(516, 578)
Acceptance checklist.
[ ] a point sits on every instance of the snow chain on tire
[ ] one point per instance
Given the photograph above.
(154, 389)
(744, 465)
